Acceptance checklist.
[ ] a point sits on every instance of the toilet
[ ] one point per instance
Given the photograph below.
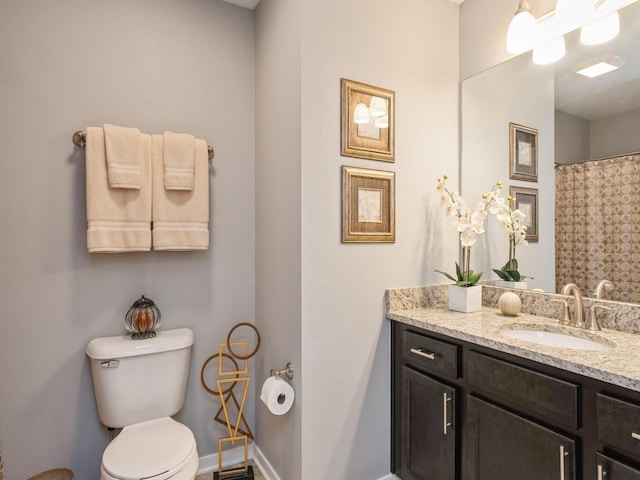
(138, 385)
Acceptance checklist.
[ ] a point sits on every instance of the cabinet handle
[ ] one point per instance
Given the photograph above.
(635, 436)
(445, 415)
(418, 351)
(601, 472)
(562, 455)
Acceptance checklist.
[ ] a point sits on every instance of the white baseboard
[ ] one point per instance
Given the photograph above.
(235, 455)
(266, 469)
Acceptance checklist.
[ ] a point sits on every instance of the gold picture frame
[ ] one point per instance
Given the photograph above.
(523, 153)
(368, 121)
(526, 200)
(368, 205)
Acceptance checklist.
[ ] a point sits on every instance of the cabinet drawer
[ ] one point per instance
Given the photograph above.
(427, 353)
(549, 397)
(609, 468)
(619, 423)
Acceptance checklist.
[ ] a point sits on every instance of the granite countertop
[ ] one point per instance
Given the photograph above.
(619, 365)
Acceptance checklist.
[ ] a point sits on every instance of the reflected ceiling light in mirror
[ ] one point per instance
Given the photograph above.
(549, 52)
(377, 107)
(361, 113)
(382, 122)
(601, 31)
(598, 66)
(521, 29)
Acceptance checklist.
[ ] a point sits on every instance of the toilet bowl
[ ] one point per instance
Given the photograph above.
(138, 385)
(160, 449)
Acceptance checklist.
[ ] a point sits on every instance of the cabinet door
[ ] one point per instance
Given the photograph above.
(428, 428)
(504, 446)
(609, 469)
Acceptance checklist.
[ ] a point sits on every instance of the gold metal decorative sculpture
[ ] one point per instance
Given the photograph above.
(225, 387)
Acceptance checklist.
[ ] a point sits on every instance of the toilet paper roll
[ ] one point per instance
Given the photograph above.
(277, 395)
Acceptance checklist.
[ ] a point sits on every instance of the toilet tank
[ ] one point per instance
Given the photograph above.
(139, 380)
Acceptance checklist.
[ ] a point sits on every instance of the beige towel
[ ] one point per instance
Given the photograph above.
(179, 161)
(123, 156)
(118, 220)
(180, 218)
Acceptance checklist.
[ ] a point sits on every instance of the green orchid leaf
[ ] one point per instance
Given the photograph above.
(446, 275)
(474, 277)
(501, 274)
(459, 272)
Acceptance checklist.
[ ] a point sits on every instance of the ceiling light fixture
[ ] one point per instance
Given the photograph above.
(549, 52)
(601, 31)
(521, 29)
(598, 19)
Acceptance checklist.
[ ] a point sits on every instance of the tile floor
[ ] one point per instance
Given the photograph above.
(209, 476)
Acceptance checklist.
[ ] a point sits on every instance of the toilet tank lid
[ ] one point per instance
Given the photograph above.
(104, 348)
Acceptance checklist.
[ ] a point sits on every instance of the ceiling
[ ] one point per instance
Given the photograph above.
(609, 94)
(251, 4)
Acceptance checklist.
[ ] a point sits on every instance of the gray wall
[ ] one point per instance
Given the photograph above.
(572, 138)
(158, 65)
(579, 139)
(278, 223)
(411, 48)
(332, 323)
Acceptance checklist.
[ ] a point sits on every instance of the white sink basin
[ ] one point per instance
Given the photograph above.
(552, 339)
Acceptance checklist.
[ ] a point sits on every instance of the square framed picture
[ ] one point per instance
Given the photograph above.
(527, 202)
(523, 153)
(368, 205)
(368, 121)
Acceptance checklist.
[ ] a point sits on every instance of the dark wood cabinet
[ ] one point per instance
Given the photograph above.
(501, 443)
(461, 411)
(428, 428)
(610, 469)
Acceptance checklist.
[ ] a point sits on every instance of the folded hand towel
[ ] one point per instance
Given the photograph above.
(180, 218)
(123, 156)
(118, 220)
(179, 161)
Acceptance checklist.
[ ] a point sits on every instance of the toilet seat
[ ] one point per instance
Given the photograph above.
(158, 449)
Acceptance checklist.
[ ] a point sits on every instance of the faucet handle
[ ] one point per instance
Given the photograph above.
(592, 323)
(566, 314)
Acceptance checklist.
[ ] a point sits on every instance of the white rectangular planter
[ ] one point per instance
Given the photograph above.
(506, 284)
(465, 299)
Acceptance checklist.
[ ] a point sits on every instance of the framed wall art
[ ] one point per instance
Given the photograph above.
(527, 202)
(368, 121)
(523, 153)
(368, 205)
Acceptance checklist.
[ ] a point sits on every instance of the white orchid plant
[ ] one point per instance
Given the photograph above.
(512, 221)
(468, 223)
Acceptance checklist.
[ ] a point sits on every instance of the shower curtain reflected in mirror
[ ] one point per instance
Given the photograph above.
(598, 226)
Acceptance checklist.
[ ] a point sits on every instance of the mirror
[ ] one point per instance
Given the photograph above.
(577, 119)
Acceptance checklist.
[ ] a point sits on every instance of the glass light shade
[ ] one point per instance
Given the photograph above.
(361, 113)
(549, 52)
(601, 31)
(377, 107)
(522, 30)
(571, 14)
(382, 122)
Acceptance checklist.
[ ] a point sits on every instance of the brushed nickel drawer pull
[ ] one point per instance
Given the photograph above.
(635, 435)
(445, 424)
(562, 455)
(418, 351)
(600, 472)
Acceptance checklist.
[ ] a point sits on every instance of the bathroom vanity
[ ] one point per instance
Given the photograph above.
(471, 403)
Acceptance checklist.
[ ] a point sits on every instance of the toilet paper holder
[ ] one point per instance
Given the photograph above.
(286, 372)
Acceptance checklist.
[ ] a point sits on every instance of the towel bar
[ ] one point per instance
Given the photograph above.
(80, 139)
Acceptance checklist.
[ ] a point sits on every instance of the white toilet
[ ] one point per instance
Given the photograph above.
(139, 384)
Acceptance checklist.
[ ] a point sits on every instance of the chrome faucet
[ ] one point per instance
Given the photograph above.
(578, 305)
(602, 285)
